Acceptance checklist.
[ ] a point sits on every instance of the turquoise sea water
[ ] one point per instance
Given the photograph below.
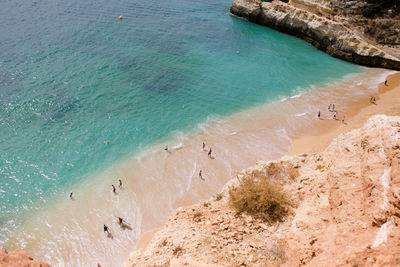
(73, 76)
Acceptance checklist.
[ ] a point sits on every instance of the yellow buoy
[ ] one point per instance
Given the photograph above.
(120, 17)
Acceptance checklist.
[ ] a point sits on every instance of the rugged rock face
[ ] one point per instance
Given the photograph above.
(18, 258)
(332, 26)
(347, 213)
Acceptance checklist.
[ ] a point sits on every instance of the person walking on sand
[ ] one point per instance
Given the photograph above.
(204, 146)
(209, 152)
(329, 108)
(201, 175)
(334, 116)
(343, 119)
(386, 83)
(333, 107)
(114, 189)
(120, 183)
(120, 220)
(319, 114)
(106, 229)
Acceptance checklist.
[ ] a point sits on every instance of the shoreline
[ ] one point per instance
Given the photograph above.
(329, 129)
(238, 141)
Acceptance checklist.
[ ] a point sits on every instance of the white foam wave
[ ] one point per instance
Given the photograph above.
(301, 114)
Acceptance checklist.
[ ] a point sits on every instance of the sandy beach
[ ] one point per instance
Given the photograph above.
(387, 102)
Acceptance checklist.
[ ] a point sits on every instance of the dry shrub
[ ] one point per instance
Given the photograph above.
(261, 198)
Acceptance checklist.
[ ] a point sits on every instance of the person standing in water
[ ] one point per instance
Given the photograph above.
(71, 195)
(120, 183)
(209, 152)
(114, 189)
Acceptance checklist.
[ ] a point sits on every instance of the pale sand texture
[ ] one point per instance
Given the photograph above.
(387, 102)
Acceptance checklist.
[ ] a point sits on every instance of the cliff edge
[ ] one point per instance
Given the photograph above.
(336, 27)
(346, 211)
(18, 258)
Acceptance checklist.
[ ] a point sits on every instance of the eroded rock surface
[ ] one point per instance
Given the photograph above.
(347, 212)
(18, 258)
(336, 27)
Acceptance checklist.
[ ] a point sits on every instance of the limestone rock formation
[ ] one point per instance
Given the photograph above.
(331, 26)
(347, 212)
(18, 258)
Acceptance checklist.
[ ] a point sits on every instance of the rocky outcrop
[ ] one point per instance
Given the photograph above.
(330, 28)
(347, 212)
(18, 258)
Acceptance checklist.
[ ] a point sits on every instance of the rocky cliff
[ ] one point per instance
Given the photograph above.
(336, 27)
(18, 258)
(346, 212)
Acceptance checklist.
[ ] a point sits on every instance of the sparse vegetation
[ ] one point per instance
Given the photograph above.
(320, 167)
(376, 7)
(218, 196)
(177, 250)
(163, 243)
(261, 198)
(197, 214)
